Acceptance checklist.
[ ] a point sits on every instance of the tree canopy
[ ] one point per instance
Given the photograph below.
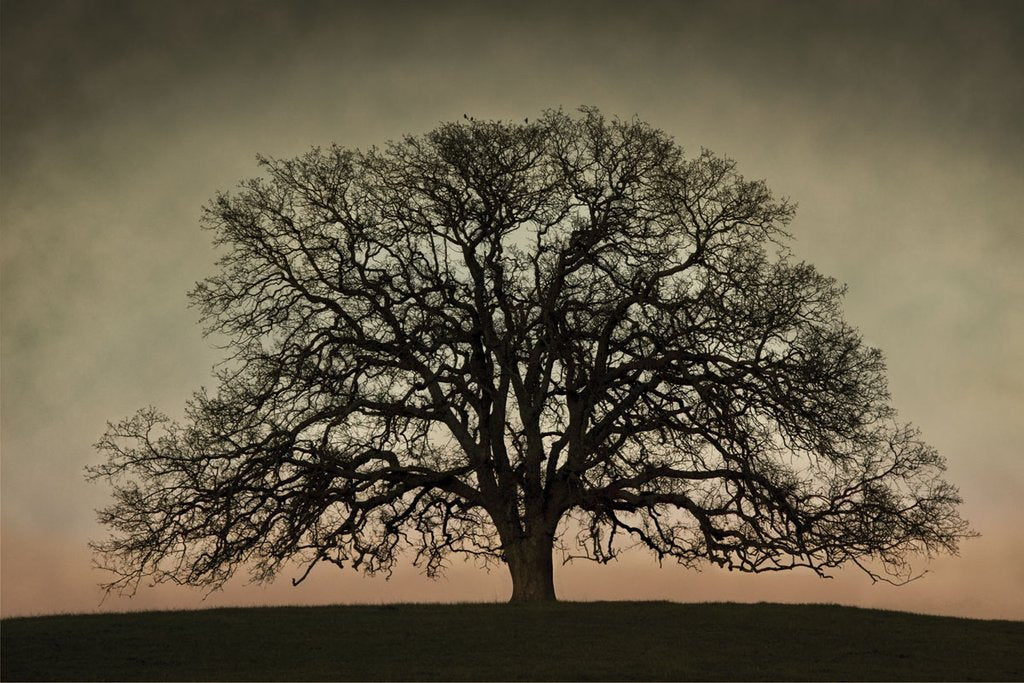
(503, 339)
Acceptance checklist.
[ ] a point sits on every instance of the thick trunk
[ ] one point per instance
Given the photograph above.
(529, 563)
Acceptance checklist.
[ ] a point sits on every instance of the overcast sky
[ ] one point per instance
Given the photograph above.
(897, 128)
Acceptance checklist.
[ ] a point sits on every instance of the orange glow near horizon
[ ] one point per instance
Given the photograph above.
(44, 577)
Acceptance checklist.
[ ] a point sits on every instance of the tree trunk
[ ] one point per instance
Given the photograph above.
(529, 563)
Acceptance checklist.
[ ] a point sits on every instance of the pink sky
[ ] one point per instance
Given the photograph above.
(53, 577)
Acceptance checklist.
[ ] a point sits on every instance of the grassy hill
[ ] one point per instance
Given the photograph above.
(563, 641)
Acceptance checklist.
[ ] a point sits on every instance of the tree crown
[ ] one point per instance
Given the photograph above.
(498, 336)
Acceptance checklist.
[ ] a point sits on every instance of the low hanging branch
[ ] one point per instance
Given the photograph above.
(495, 335)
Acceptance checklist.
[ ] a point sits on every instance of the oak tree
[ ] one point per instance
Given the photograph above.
(511, 339)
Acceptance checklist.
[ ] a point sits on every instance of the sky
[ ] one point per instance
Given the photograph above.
(896, 127)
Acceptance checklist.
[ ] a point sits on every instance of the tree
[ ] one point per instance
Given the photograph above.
(500, 339)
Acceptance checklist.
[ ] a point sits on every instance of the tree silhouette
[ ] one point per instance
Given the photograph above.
(504, 339)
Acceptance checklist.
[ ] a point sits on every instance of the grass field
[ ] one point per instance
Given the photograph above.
(563, 641)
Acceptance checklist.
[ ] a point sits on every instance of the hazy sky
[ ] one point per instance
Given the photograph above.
(896, 126)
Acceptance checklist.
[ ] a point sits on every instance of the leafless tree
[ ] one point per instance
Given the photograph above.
(506, 339)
